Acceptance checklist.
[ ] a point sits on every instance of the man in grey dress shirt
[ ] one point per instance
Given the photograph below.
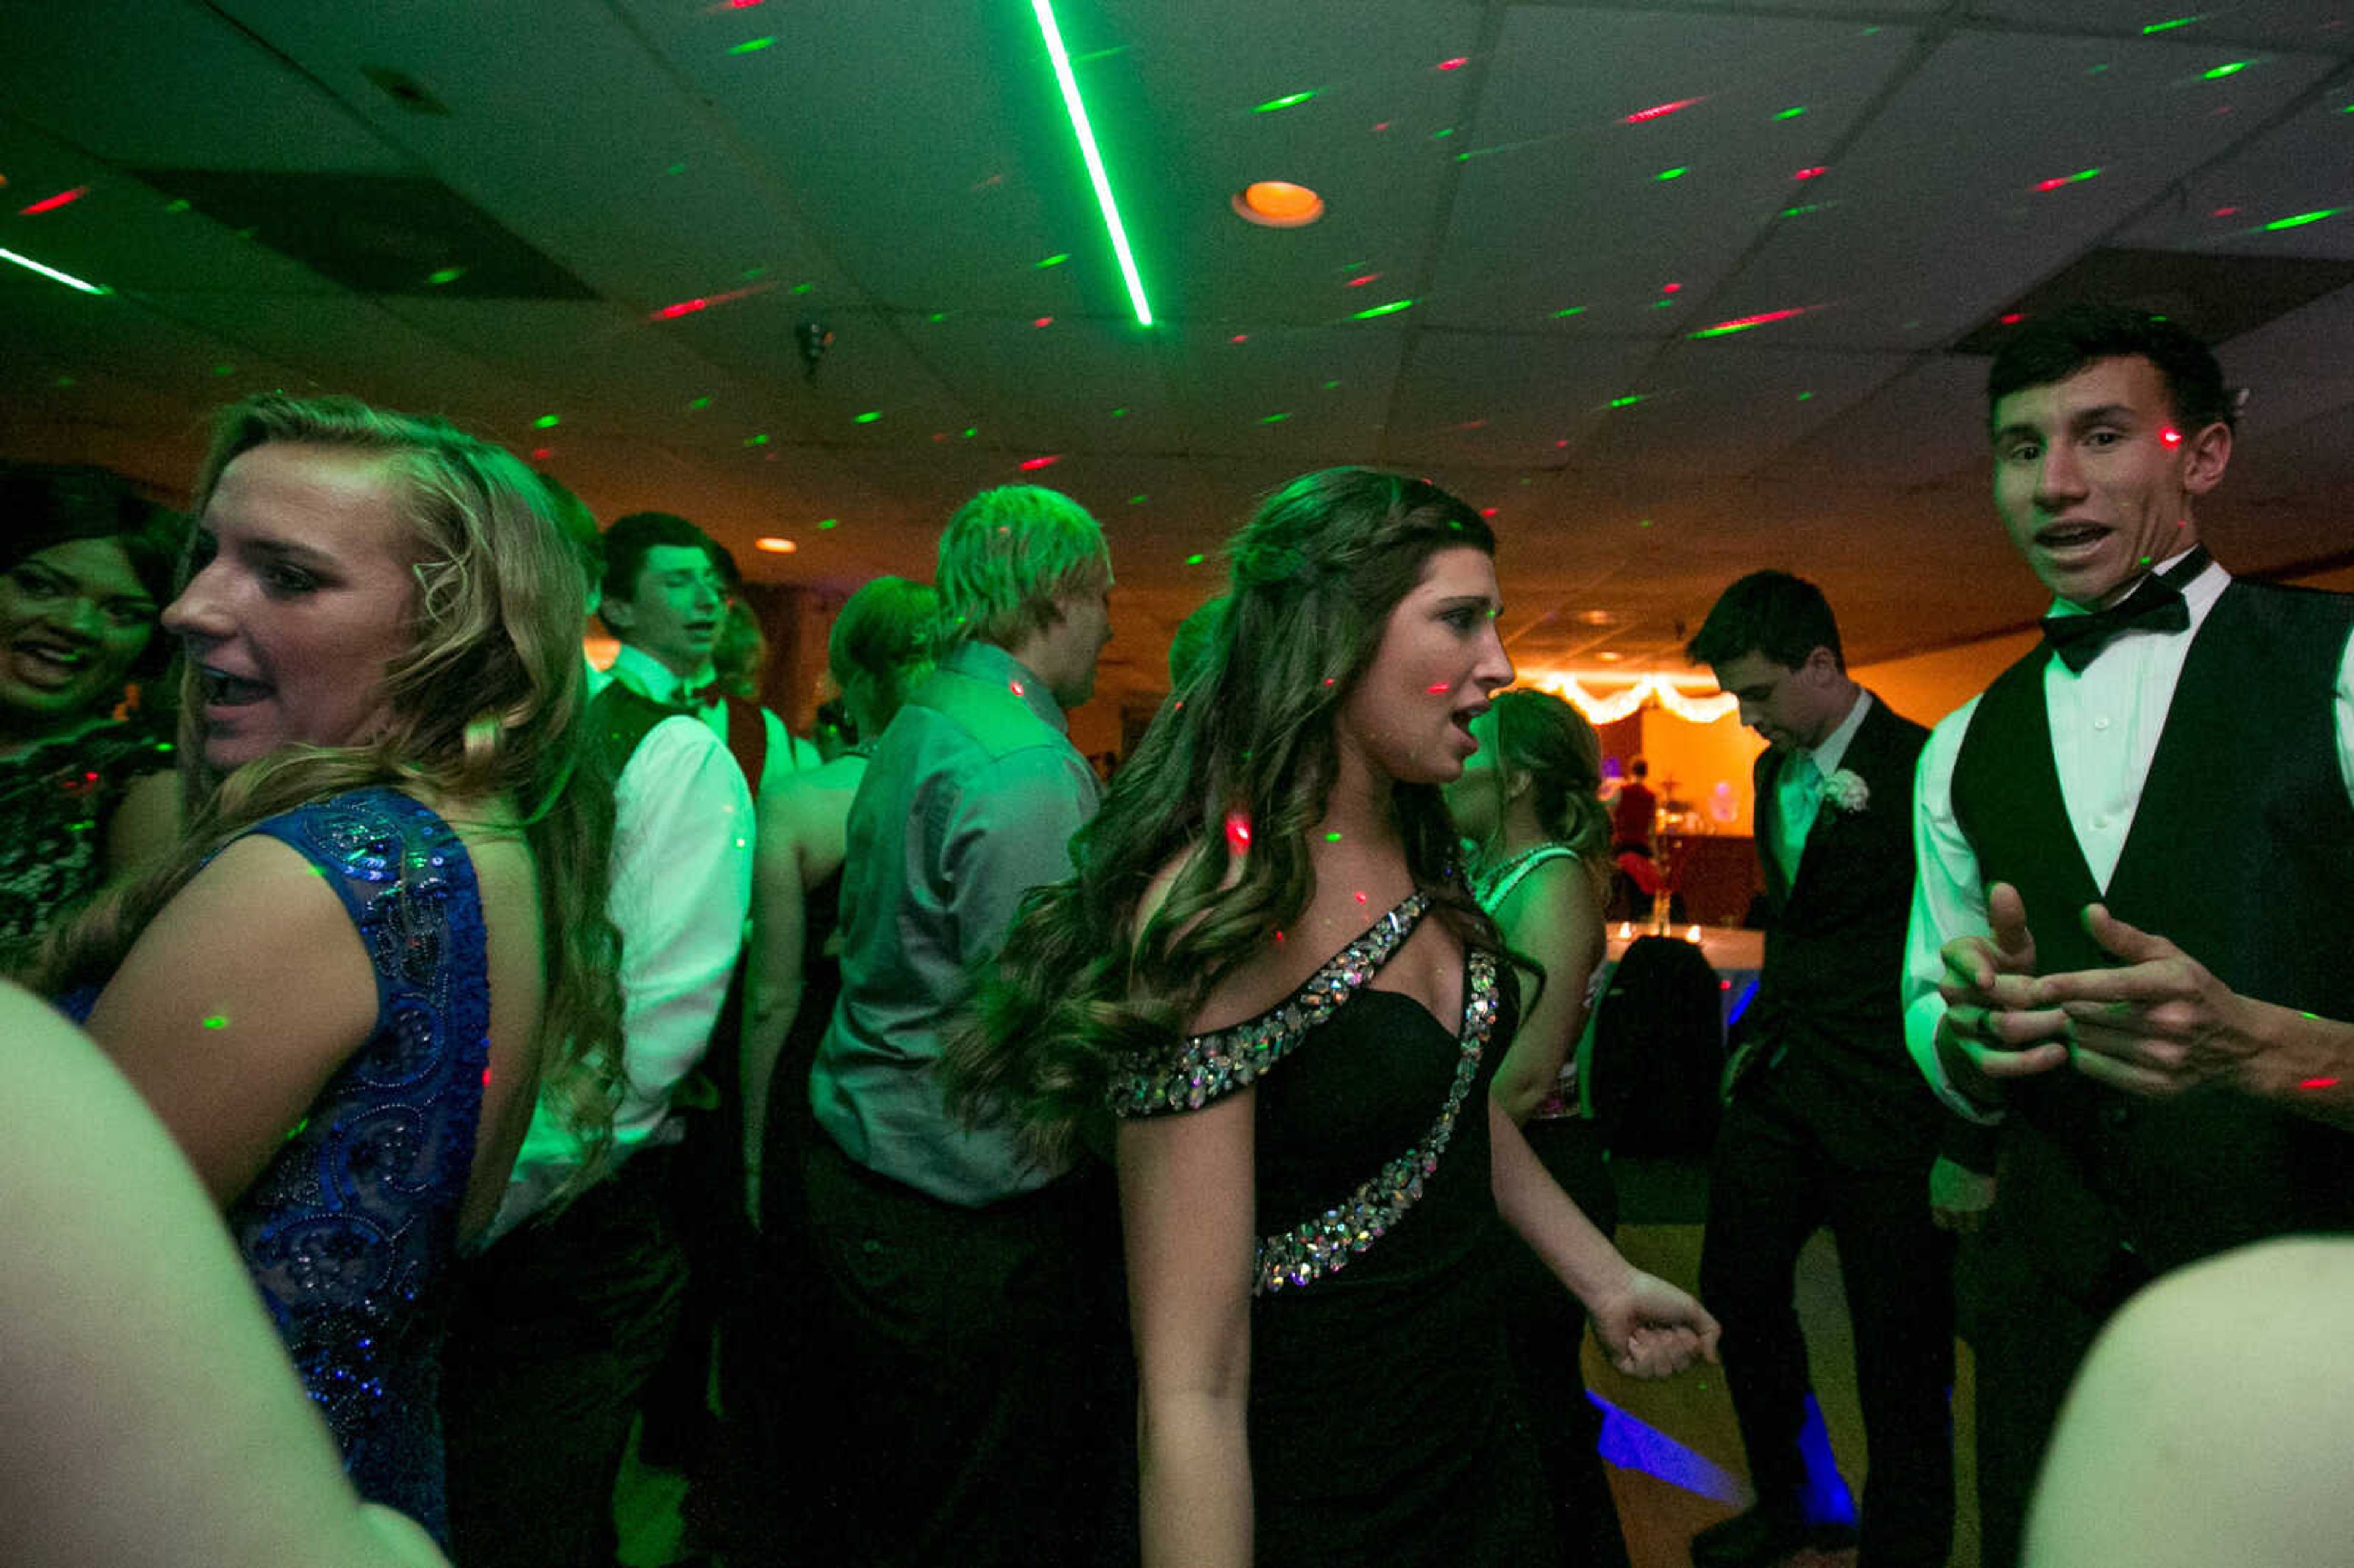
(980, 1339)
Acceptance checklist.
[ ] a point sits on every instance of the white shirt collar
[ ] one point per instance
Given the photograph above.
(650, 677)
(1833, 750)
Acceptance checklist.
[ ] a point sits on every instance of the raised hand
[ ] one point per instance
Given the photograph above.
(1995, 1026)
(2160, 1024)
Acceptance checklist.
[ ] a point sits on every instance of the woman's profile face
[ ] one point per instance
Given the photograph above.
(73, 620)
(303, 594)
(1410, 714)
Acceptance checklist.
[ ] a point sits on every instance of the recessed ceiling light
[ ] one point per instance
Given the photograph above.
(1278, 203)
(776, 546)
(1596, 617)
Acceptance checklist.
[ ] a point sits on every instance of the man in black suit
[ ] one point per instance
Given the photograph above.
(2128, 948)
(1827, 1122)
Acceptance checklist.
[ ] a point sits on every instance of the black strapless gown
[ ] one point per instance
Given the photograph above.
(1385, 1421)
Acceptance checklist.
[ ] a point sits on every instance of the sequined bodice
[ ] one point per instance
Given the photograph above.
(1321, 1235)
(56, 801)
(352, 1228)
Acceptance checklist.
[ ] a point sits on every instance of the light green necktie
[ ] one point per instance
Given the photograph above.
(1799, 790)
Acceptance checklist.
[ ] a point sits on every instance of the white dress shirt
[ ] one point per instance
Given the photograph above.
(680, 890)
(650, 677)
(2105, 722)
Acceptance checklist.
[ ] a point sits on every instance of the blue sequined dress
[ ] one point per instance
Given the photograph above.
(1384, 1424)
(351, 1229)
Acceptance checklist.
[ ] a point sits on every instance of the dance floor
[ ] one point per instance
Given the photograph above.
(1675, 1452)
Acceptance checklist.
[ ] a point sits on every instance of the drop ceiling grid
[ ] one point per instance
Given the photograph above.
(1375, 140)
(169, 82)
(1055, 387)
(871, 366)
(2279, 23)
(2302, 165)
(1726, 407)
(1497, 400)
(562, 128)
(1265, 398)
(1562, 206)
(1933, 218)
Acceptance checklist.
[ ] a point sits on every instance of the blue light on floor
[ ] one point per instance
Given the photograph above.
(1633, 1444)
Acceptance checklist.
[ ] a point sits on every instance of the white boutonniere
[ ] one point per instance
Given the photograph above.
(1845, 790)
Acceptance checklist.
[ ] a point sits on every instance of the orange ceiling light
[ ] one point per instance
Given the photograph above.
(776, 546)
(1278, 203)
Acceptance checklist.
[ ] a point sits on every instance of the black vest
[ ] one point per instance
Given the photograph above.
(2242, 852)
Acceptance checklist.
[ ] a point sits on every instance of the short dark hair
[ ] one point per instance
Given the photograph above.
(1784, 617)
(46, 505)
(2049, 348)
(631, 539)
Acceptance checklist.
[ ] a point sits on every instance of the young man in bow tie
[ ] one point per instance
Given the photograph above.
(2125, 948)
(1826, 1123)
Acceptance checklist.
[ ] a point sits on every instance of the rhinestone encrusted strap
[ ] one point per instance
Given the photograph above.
(1314, 1248)
(1206, 1067)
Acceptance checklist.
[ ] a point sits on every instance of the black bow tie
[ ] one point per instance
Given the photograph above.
(2154, 605)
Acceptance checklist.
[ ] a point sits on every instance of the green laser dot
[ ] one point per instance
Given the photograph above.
(970, 431)
(751, 46)
(1389, 310)
(2301, 220)
(1442, 135)
(1792, 112)
(1643, 523)
(66, 381)
(1331, 838)
(2170, 27)
(218, 1021)
(224, 370)
(698, 403)
(1679, 172)
(1119, 413)
(869, 418)
(446, 275)
(1573, 310)
(1286, 101)
(828, 522)
(1194, 560)
(751, 273)
(804, 288)
(756, 440)
(546, 422)
(2220, 71)
(676, 169)
(1332, 386)
(1055, 261)
(176, 206)
(1805, 397)
(1138, 500)
(1273, 418)
(938, 316)
(1629, 400)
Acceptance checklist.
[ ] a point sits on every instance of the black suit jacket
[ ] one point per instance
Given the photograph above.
(1831, 1018)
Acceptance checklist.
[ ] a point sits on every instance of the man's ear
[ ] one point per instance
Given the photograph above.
(2205, 457)
(618, 614)
(1822, 666)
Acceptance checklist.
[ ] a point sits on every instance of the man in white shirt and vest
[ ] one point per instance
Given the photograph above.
(2128, 943)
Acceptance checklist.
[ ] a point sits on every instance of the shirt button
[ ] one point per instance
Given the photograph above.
(2102, 722)
(2101, 824)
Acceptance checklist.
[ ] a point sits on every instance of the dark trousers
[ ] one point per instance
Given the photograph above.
(2034, 1332)
(554, 1331)
(989, 1416)
(1773, 1183)
(1544, 1330)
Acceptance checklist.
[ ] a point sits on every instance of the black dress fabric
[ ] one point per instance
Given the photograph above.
(1384, 1422)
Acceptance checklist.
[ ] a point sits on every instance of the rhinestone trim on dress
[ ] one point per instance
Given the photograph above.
(1198, 1070)
(1309, 1251)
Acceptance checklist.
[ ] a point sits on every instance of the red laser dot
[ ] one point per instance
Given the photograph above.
(1044, 321)
(1436, 689)
(1361, 283)
(1031, 465)
(1363, 899)
(51, 204)
(1238, 840)
(1383, 126)
(541, 454)
(1279, 935)
(1809, 173)
(1670, 288)
(1328, 681)
(2171, 437)
(1015, 687)
(1239, 337)
(683, 308)
(1457, 63)
(2318, 1084)
(2223, 212)
(1490, 511)
(2013, 319)
(486, 1077)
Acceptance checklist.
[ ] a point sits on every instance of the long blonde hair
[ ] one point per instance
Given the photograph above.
(487, 704)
